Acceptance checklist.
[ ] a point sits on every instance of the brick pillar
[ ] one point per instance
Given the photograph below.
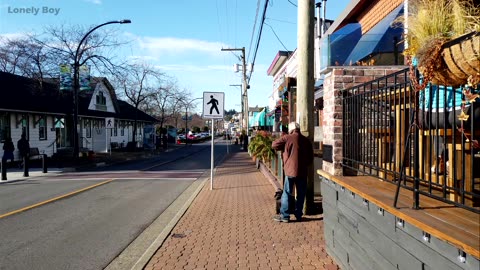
(332, 120)
(339, 79)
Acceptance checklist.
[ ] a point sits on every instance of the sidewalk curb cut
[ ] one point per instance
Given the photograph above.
(141, 250)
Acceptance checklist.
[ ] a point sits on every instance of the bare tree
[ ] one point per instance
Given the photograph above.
(39, 56)
(162, 102)
(139, 84)
(24, 56)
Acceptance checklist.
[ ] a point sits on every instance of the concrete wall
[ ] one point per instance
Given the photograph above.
(360, 235)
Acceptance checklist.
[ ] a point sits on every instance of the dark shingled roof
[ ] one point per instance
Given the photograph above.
(19, 93)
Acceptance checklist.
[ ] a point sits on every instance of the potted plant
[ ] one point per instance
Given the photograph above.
(443, 36)
(260, 147)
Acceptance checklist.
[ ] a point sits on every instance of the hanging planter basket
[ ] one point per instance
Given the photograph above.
(459, 59)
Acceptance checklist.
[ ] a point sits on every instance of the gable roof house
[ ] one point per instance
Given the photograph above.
(45, 115)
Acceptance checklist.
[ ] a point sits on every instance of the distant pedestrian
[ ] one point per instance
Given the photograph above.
(165, 141)
(23, 147)
(297, 156)
(8, 149)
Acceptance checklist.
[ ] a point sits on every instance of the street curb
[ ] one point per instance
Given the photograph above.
(142, 249)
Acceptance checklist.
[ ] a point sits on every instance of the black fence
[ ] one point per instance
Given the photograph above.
(425, 141)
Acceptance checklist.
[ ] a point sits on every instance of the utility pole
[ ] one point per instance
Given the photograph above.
(305, 83)
(241, 101)
(245, 87)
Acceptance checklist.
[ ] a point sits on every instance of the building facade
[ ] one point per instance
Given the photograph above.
(45, 115)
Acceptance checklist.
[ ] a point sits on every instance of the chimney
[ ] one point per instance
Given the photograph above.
(320, 19)
(324, 16)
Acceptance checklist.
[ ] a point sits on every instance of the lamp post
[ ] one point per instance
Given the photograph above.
(187, 104)
(76, 85)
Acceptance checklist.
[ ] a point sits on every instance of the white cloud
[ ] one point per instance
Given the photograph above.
(96, 2)
(13, 35)
(194, 68)
(169, 45)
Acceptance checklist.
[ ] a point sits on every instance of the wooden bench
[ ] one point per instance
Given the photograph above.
(114, 145)
(35, 153)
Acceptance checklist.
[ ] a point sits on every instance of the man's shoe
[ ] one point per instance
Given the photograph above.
(298, 219)
(281, 219)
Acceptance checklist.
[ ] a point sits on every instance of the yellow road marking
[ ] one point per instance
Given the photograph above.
(54, 199)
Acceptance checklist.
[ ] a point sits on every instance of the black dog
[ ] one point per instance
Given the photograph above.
(278, 202)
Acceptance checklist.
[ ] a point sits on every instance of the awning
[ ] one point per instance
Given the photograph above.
(262, 119)
(343, 41)
(259, 119)
(379, 39)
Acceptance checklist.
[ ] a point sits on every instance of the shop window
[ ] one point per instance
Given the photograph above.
(42, 128)
(24, 126)
(4, 126)
(101, 102)
(88, 128)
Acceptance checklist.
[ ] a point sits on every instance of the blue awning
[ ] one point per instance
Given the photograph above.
(380, 39)
(343, 41)
(262, 118)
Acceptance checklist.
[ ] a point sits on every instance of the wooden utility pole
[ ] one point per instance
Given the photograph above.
(245, 88)
(305, 83)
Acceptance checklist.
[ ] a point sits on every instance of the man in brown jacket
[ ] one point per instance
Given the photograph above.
(297, 156)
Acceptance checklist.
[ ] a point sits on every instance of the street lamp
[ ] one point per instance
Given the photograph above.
(76, 85)
(187, 104)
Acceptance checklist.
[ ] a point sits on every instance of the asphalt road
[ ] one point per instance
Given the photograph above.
(87, 230)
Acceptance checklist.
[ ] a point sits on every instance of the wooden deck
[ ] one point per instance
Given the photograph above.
(455, 225)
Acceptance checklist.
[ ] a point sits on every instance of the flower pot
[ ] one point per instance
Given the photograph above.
(460, 59)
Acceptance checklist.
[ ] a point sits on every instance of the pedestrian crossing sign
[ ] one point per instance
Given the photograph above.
(213, 105)
(109, 122)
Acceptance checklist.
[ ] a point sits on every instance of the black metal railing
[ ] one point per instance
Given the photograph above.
(425, 141)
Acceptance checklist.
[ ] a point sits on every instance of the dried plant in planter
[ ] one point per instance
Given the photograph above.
(444, 37)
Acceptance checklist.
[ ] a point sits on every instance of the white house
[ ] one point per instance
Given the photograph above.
(45, 115)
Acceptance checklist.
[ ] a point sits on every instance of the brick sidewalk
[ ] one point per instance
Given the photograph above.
(231, 227)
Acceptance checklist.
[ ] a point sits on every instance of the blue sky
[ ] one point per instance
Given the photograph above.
(183, 38)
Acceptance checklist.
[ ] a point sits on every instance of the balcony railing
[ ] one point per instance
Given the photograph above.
(424, 141)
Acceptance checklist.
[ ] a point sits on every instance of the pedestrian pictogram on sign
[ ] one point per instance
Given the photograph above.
(213, 105)
(109, 122)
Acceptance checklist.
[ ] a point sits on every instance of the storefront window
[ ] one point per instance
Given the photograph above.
(88, 128)
(4, 126)
(42, 129)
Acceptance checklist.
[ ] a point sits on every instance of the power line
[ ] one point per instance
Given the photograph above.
(292, 3)
(271, 19)
(253, 30)
(259, 38)
(276, 36)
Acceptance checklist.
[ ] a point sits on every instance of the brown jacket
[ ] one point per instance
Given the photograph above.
(297, 153)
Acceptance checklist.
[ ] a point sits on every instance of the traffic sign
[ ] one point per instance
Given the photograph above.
(213, 105)
(109, 122)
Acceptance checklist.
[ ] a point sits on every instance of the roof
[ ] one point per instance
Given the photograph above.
(278, 62)
(24, 94)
